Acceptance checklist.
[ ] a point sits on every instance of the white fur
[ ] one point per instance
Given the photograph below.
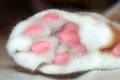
(93, 34)
(91, 61)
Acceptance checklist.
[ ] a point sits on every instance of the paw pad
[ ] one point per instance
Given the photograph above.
(40, 47)
(116, 50)
(71, 27)
(62, 59)
(50, 17)
(79, 48)
(70, 36)
(33, 29)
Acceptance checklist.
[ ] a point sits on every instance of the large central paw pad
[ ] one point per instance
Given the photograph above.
(69, 35)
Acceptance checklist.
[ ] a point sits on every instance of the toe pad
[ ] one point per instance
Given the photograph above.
(40, 47)
(50, 17)
(33, 29)
(62, 59)
(116, 50)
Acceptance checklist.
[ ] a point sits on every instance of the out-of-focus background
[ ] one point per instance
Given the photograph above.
(13, 11)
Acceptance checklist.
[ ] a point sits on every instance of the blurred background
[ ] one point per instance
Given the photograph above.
(13, 11)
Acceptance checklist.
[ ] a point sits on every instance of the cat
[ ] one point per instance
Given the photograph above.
(59, 42)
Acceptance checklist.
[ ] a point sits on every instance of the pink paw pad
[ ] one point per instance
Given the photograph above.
(70, 36)
(71, 27)
(51, 17)
(40, 47)
(116, 50)
(33, 29)
(62, 59)
(80, 48)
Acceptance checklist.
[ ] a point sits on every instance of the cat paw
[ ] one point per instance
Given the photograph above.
(46, 38)
(59, 42)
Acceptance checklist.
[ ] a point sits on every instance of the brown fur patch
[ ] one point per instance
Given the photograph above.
(115, 39)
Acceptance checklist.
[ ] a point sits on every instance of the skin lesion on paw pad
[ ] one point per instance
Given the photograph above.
(62, 58)
(116, 50)
(33, 29)
(40, 47)
(50, 17)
